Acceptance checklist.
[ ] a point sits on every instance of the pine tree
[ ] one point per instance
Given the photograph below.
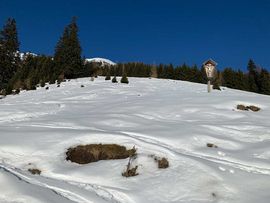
(9, 52)
(67, 56)
(108, 75)
(114, 80)
(264, 82)
(229, 78)
(217, 81)
(252, 77)
(241, 80)
(124, 78)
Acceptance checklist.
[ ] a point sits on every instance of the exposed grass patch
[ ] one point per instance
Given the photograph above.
(34, 171)
(162, 162)
(246, 108)
(211, 145)
(84, 154)
(254, 108)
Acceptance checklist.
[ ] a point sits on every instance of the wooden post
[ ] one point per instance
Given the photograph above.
(209, 86)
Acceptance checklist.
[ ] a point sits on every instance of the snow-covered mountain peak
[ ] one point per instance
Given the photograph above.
(103, 61)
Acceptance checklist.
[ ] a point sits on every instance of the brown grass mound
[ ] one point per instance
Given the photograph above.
(211, 145)
(242, 107)
(34, 171)
(254, 108)
(246, 108)
(84, 154)
(163, 163)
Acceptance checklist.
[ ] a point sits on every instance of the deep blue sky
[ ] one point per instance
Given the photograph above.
(151, 31)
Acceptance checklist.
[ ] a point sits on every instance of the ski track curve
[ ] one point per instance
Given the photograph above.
(238, 165)
(98, 191)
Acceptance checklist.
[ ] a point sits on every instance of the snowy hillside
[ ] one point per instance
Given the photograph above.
(101, 60)
(166, 118)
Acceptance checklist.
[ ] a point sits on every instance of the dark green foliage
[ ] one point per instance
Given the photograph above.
(9, 53)
(34, 70)
(114, 80)
(17, 91)
(89, 69)
(42, 84)
(108, 76)
(216, 86)
(252, 77)
(67, 55)
(124, 78)
(264, 82)
(217, 81)
(229, 78)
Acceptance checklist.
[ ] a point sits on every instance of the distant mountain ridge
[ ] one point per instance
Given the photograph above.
(103, 61)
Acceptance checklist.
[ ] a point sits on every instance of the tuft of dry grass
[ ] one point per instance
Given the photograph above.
(246, 108)
(131, 171)
(242, 107)
(34, 171)
(211, 145)
(254, 108)
(84, 154)
(162, 162)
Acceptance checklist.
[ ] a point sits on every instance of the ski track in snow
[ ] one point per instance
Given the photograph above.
(65, 193)
(237, 164)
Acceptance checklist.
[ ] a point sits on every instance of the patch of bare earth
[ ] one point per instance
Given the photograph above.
(84, 154)
(246, 108)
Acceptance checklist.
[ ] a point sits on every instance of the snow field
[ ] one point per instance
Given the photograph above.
(172, 119)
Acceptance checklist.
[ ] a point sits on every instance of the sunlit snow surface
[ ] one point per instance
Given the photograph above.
(174, 119)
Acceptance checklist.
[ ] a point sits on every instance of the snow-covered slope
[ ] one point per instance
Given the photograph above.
(101, 60)
(167, 118)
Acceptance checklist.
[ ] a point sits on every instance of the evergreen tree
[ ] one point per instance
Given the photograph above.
(9, 52)
(217, 80)
(114, 80)
(108, 75)
(124, 78)
(264, 82)
(252, 77)
(229, 78)
(241, 80)
(67, 55)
